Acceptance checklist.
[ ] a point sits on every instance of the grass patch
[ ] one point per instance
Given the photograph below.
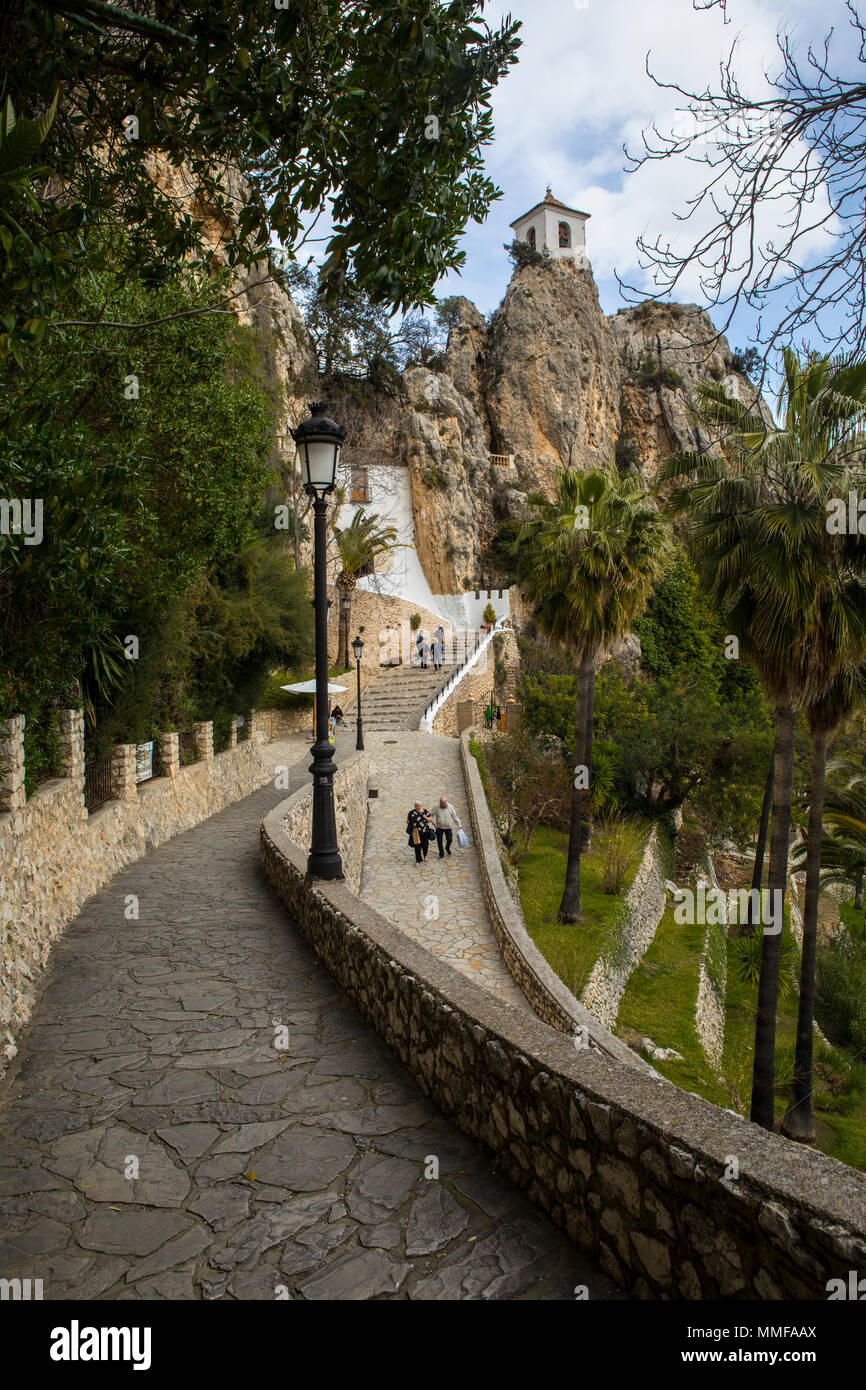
(659, 1001)
(571, 950)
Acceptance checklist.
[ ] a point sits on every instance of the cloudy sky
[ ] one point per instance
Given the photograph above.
(580, 91)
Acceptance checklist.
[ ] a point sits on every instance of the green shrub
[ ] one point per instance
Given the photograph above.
(273, 697)
(651, 375)
(746, 955)
(840, 999)
(522, 254)
(619, 844)
(415, 621)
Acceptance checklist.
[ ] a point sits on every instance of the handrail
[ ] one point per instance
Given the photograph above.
(457, 675)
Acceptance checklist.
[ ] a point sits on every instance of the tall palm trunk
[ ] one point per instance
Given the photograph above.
(570, 907)
(763, 1070)
(798, 1122)
(586, 832)
(760, 849)
(345, 618)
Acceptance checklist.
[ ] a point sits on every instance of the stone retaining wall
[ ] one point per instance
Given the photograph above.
(633, 1168)
(270, 724)
(385, 618)
(351, 805)
(477, 685)
(543, 988)
(629, 937)
(53, 854)
(712, 980)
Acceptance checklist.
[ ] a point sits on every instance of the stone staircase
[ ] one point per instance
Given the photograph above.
(396, 698)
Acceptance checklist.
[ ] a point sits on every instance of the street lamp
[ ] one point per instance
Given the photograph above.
(318, 440)
(358, 649)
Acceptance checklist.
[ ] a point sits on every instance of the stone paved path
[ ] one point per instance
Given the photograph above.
(411, 766)
(155, 1144)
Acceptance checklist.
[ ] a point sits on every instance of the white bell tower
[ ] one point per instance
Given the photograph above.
(554, 227)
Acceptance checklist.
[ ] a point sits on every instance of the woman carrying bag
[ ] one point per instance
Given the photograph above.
(419, 831)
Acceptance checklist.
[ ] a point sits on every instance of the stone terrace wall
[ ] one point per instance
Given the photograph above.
(543, 988)
(632, 1167)
(54, 855)
(712, 980)
(350, 797)
(478, 684)
(387, 634)
(629, 937)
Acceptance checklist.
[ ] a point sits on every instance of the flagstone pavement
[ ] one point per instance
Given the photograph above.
(439, 903)
(158, 1141)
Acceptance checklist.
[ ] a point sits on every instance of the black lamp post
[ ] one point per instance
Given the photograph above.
(358, 648)
(319, 440)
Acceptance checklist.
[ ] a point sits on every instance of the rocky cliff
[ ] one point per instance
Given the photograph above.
(551, 382)
(548, 382)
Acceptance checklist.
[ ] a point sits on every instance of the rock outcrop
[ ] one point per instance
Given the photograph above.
(452, 489)
(665, 350)
(554, 383)
(552, 375)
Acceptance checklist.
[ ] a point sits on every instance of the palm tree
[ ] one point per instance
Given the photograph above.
(843, 850)
(588, 561)
(798, 1121)
(358, 545)
(757, 517)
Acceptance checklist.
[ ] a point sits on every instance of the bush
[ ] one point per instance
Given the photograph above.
(522, 254)
(273, 697)
(626, 454)
(651, 375)
(840, 1000)
(619, 844)
(746, 957)
(489, 614)
(746, 361)
(415, 621)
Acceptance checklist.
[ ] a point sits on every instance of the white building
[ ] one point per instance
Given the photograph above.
(386, 491)
(554, 227)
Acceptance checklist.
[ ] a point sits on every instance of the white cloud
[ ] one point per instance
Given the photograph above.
(580, 91)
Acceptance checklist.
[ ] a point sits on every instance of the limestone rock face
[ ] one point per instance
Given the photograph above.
(452, 491)
(664, 351)
(464, 359)
(552, 374)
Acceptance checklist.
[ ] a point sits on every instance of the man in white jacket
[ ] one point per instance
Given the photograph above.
(446, 820)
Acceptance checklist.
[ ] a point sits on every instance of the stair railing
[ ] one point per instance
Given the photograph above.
(479, 645)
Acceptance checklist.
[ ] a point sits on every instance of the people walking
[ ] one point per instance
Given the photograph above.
(424, 653)
(439, 638)
(419, 827)
(446, 821)
(419, 640)
(436, 651)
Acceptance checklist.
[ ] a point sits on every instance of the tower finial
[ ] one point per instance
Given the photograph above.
(548, 194)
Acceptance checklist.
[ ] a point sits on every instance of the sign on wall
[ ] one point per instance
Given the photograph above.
(143, 761)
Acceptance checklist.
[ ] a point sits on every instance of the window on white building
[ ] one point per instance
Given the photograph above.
(530, 237)
(564, 234)
(360, 485)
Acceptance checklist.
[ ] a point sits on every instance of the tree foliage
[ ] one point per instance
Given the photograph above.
(266, 116)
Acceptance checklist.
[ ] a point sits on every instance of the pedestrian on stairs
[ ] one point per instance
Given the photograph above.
(419, 828)
(424, 653)
(446, 820)
(436, 651)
